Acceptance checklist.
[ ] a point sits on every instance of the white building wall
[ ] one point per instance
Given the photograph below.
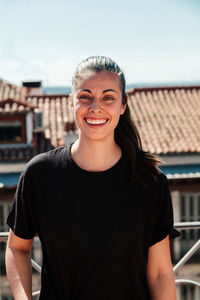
(29, 127)
(177, 217)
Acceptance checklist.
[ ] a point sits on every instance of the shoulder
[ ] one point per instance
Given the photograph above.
(161, 191)
(160, 186)
(161, 179)
(42, 161)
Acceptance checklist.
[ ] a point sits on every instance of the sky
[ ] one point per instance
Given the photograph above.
(152, 41)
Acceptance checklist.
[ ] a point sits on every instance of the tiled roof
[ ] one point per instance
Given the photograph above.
(15, 106)
(12, 91)
(57, 116)
(168, 118)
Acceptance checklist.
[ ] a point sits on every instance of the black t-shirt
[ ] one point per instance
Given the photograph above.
(94, 227)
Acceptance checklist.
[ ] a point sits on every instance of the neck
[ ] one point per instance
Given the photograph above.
(95, 155)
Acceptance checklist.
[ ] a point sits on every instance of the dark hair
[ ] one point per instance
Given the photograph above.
(144, 165)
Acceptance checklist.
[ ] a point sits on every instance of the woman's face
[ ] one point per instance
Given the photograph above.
(97, 102)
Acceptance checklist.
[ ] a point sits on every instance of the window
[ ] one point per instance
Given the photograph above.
(12, 129)
(4, 210)
(8, 297)
(190, 212)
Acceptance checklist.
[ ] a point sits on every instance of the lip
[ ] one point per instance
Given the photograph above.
(96, 125)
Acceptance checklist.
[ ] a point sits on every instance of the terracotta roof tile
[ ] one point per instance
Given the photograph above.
(57, 116)
(15, 106)
(168, 119)
(8, 90)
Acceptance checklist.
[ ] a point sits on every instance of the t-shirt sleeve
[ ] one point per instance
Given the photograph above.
(21, 214)
(164, 219)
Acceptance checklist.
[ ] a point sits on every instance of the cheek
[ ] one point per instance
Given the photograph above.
(117, 110)
(79, 110)
(115, 113)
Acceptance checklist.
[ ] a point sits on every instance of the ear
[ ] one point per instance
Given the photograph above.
(124, 101)
(122, 109)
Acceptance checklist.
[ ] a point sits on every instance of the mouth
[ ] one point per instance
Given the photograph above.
(96, 122)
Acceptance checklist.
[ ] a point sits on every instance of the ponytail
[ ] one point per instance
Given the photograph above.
(144, 165)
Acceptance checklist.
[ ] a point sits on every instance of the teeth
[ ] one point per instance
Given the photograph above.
(100, 121)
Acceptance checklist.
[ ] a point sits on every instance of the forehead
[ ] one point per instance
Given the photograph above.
(101, 80)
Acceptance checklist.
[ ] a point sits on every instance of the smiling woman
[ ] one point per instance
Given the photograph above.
(102, 197)
(95, 79)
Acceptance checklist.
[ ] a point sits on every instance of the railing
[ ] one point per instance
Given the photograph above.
(188, 255)
(182, 261)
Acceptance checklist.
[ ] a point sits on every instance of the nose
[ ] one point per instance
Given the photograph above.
(95, 106)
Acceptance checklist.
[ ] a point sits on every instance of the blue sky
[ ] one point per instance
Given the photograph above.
(153, 41)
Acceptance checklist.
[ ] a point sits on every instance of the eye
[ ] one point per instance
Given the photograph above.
(108, 98)
(84, 97)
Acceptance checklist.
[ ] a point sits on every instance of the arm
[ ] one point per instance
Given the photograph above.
(160, 276)
(18, 266)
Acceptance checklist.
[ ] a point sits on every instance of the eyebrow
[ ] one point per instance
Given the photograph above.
(109, 90)
(105, 91)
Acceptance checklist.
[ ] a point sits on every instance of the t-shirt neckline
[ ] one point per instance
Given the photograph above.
(115, 167)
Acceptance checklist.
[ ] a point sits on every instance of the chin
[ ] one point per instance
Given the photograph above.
(96, 137)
